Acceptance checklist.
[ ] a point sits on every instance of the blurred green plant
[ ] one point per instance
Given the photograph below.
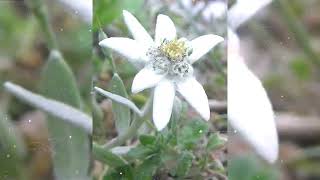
(68, 141)
(12, 151)
(250, 168)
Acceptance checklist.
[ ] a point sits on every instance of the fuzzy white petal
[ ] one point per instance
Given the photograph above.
(203, 45)
(146, 78)
(137, 30)
(162, 103)
(244, 10)
(249, 109)
(126, 47)
(165, 29)
(195, 95)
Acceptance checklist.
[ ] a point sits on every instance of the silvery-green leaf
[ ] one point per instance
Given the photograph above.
(106, 156)
(55, 108)
(121, 113)
(71, 144)
(120, 100)
(12, 150)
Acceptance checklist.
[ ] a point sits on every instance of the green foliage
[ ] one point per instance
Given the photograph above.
(107, 156)
(105, 11)
(142, 152)
(157, 153)
(120, 173)
(214, 142)
(191, 133)
(250, 168)
(147, 140)
(121, 113)
(184, 163)
(69, 142)
(147, 168)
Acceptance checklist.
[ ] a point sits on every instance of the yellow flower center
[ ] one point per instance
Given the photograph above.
(175, 50)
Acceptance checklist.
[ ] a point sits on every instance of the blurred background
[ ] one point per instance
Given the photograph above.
(23, 56)
(281, 46)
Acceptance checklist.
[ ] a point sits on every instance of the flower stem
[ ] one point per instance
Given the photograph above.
(132, 130)
(39, 12)
(298, 30)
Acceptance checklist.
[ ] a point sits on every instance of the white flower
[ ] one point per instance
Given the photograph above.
(166, 65)
(243, 10)
(249, 108)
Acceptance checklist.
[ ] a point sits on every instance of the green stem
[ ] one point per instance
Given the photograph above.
(298, 30)
(113, 65)
(132, 130)
(40, 12)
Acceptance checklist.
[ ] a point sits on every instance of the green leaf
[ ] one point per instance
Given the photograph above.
(105, 11)
(121, 113)
(190, 134)
(147, 139)
(12, 150)
(120, 173)
(107, 157)
(141, 152)
(215, 142)
(146, 170)
(184, 164)
(70, 144)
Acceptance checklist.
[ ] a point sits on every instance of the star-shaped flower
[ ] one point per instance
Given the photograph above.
(166, 64)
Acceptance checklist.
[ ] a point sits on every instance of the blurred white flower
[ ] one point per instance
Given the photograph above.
(82, 8)
(243, 10)
(193, 7)
(249, 108)
(214, 9)
(208, 10)
(166, 65)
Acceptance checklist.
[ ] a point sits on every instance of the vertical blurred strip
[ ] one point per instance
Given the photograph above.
(12, 151)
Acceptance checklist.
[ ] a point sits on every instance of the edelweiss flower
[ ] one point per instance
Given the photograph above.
(166, 65)
(249, 108)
